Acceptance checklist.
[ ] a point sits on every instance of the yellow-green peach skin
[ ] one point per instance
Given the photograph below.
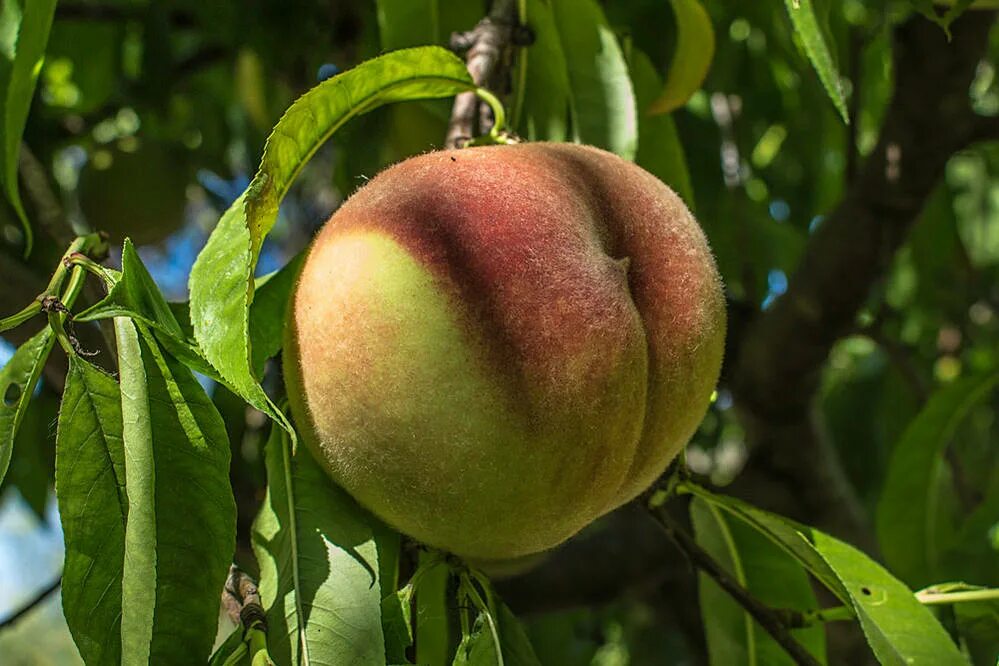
(489, 348)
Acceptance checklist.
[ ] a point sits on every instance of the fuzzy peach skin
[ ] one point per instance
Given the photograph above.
(491, 347)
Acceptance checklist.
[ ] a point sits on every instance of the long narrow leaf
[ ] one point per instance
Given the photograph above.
(806, 24)
(406, 23)
(267, 313)
(787, 534)
(544, 114)
(695, 47)
(135, 295)
(659, 149)
(767, 572)
(899, 629)
(24, 32)
(18, 379)
(221, 279)
(907, 508)
(90, 489)
(319, 559)
(602, 101)
(180, 534)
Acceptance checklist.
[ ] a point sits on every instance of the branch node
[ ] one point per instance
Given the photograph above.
(488, 53)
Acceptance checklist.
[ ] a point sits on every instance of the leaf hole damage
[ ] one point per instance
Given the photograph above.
(11, 395)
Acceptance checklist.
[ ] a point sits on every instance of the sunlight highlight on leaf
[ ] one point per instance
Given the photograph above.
(319, 556)
(806, 24)
(222, 277)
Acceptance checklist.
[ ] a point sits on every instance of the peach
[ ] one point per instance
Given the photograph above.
(491, 347)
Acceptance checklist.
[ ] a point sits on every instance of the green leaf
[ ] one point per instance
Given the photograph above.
(319, 559)
(90, 489)
(955, 8)
(478, 648)
(541, 112)
(135, 295)
(406, 23)
(767, 572)
(418, 127)
(24, 31)
(695, 48)
(17, 384)
(458, 16)
(409, 74)
(659, 149)
(221, 279)
(907, 511)
(787, 534)
(268, 310)
(397, 624)
(898, 628)
(32, 469)
(180, 534)
(433, 634)
(806, 24)
(978, 624)
(602, 103)
(232, 652)
(973, 549)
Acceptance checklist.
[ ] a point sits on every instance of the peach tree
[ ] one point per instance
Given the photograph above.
(489, 413)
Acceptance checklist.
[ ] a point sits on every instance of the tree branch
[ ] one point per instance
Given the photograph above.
(48, 210)
(51, 218)
(487, 52)
(766, 617)
(778, 364)
(621, 555)
(38, 599)
(241, 600)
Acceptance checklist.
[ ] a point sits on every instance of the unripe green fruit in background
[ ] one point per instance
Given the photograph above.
(489, 348)
(140, 194)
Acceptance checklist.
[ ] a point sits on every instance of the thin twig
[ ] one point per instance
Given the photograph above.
(28, 607)
(48, 209)
(487, 53)
(771, 621)
(932, 598)
(897, 352)
(241, 600)
(51, 217)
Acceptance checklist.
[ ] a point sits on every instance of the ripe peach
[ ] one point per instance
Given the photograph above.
(491, 347)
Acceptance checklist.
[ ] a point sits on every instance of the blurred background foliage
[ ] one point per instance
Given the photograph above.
(150, 118)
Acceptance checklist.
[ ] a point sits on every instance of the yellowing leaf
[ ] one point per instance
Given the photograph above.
(695, 47)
